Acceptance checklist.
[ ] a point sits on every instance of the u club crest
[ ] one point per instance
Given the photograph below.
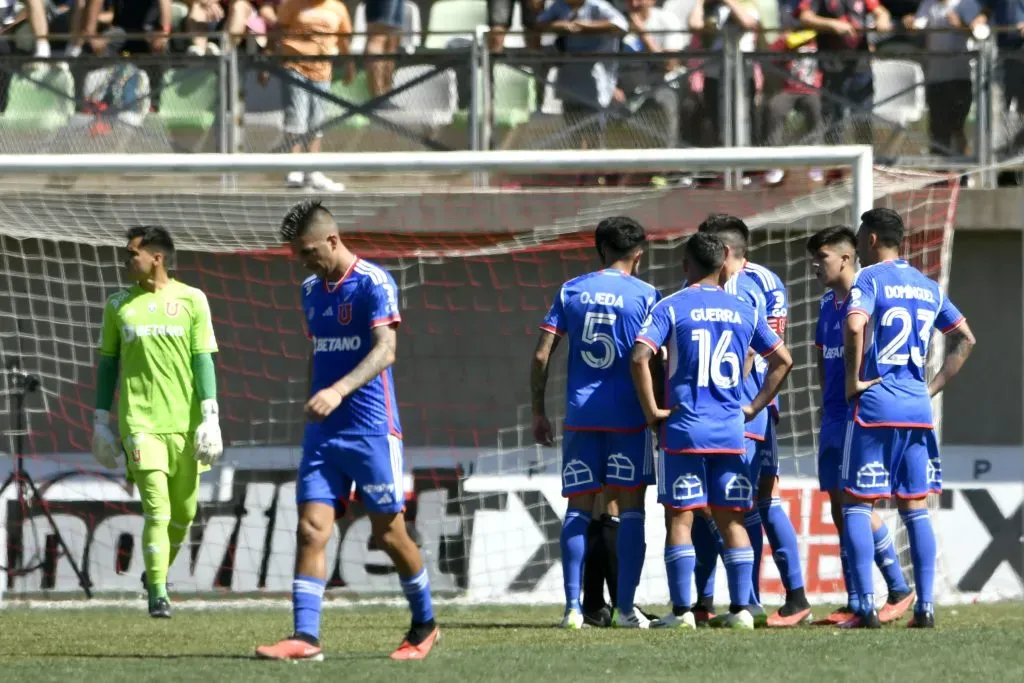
(171, 308)
(345, 313)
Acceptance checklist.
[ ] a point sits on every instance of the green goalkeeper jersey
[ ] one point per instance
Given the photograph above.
(155, 335)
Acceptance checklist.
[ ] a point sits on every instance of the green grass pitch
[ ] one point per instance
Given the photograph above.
(483, 643)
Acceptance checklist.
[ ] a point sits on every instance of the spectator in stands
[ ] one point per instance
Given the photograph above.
(44, 17)
(800, 91)
(149, 17)
(232, 16)
(902, 38)
(948, 89)
(843, 25)
(311, 28)
(586, 88)
(652, 31)
(499, 18)
(717, 21)
(1007, 18)
(384, 19)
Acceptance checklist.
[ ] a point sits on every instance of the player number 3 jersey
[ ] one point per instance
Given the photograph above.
(155, 335)
(707, 332)
(340, 319)
(904, 308)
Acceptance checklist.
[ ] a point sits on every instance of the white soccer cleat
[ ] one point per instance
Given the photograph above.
(318, 181)
(632, 620)
(683, 621)
(573, 619)
(741, 621)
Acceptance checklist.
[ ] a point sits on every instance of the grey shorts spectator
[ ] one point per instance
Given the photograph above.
(387, 12)
(303, 107)
(499, 12)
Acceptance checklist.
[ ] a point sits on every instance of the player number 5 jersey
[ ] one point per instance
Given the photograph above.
(707, 332)
(904, 308)
(600, 313)
(340, 319)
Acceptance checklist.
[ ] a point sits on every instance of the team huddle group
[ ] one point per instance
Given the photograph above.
(716, 347)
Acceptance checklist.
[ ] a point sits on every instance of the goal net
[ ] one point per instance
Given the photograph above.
(477, 266)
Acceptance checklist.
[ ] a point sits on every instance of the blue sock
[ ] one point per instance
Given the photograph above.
(739, 562)
(417, 592)
(752, 522)
(574, 549)
(922, 554)
(860, 549)
(782, 537)
(852, 599)
(630, 547)
(888, 561)
(307, 597)
(679, 564)
(706, 548)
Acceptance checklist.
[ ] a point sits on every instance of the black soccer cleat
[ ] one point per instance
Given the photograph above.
(599, 618)
(862, 620)
(160, 609)
(922, 620)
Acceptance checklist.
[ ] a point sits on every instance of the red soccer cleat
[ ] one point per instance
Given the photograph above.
(407, 650)
(291, 650)
(778, 620)
(891, 611)
(838, 617)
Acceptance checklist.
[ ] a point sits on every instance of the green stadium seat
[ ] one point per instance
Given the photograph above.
(188, 100)
(454, 17)
(41, 100)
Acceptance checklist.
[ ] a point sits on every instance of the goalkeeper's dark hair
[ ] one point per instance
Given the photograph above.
(706, 252)
(886, 224)
(832, 236)
(618, 237)
(302, 217)
(154, 238)
(733, 232)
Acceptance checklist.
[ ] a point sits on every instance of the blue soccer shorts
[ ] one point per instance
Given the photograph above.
(831, 439)
(689, 482)
(331, 466)
(592, 460)
(882, 461)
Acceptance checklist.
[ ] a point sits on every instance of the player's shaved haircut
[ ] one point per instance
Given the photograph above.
(706, 252)
(154, 238)
(307, 215)
(617, 237)
(732, 231)
(834, 235)
(886, 224)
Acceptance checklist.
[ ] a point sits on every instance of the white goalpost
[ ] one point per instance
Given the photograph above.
(478, 243)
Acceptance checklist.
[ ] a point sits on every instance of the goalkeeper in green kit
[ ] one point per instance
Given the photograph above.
(158, 336)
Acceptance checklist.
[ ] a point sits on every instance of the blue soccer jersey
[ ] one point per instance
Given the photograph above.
(773, 290)
(340, 319)
(745, 288)
(828, 337)
(601, 314)
(903, 308)
(707, 332)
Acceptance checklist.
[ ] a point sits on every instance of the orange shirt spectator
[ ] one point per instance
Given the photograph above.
(327, 20)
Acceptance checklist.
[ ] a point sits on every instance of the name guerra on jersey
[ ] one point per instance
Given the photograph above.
(909, 292)
(715, 315)
(602, 298)
(328, 344)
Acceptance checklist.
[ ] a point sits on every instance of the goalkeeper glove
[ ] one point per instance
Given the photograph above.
(208, 442)
(104, 445)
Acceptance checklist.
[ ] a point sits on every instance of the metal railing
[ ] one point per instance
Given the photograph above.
(464, 97)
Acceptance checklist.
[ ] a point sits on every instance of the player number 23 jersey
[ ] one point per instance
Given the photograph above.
(707, 332)
(903, 308)
(155, 335)
(340, 319)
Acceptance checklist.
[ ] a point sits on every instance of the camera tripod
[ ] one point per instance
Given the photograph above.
(20, 384)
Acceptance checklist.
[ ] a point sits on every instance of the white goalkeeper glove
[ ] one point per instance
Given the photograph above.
(104, 445)
(209, 445)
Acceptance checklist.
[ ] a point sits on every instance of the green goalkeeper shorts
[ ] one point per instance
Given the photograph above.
(168, 453)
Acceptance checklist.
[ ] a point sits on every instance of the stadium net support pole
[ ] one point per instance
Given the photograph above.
(21, 384)
(859, 157)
